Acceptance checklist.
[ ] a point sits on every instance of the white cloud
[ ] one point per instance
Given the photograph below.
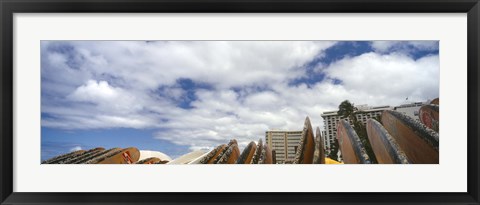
(134, 85)
(387, 79)
(106, 97)
(76, 148)
(224, 64)
(93, 91)
(404, 46)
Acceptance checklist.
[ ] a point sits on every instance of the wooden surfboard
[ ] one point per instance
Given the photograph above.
(429, 116)
(187, 158)
(232, 142)
(306, 149)
(230, 156)
(144, 154)
(258, 152)
(419, 143)
(319, 154)
(125, 156)
(150, 160)
(162, 162)
(90, 154)
(435, 101)
(59, 158)
(386, 149)
(352, 149)
(247, 154)
(212, 155)
(266, 157)
(96, 156)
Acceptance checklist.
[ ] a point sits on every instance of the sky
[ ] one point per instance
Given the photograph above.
(179, 96)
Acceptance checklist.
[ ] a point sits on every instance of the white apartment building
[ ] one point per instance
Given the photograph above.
(285, 144)
(410, 109)
(331, 118)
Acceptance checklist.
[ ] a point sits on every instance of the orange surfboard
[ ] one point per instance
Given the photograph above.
(247, 154)
(217, 159)
(352, 149)
(419, 143)
(212, 155)
(126, 156)
(386, 149)
(306, 149)
(231, 155)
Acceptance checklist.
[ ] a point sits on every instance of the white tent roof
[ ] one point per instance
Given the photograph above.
(184, 159)
(144, 154)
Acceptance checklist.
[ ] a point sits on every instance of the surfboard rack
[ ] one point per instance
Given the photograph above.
(397, 139)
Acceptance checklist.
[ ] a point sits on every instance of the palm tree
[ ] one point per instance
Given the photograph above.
(346, 109)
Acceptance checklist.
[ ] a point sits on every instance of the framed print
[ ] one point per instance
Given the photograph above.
(239, 102)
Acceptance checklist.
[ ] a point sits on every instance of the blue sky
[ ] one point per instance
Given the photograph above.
(179, 96)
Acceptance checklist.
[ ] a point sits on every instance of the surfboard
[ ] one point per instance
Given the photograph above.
(306, 149)
(96, 156)
(231, 155)
(125, 156)
(266, 157)
(232, 142)
(187, 158)
(319, 154)
(352, 149)
(85, 156)
(429, 116)
(144, 154)
(386, 149)
(212, 155)
(419, 143)
(150, 160)
(162, 162)
(247, 154)
(258, 152)
(435, 101)
(55, 160)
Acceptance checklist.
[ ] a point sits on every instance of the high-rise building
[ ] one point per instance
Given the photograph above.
(284, 143)
(331, 118)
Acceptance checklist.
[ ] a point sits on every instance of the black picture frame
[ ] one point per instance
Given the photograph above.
(10, 7)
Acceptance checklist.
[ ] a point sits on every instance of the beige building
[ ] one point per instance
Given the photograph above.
(285, 144)
(331, 118)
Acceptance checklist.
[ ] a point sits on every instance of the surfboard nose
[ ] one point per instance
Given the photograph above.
(419, 143)
(351, 147)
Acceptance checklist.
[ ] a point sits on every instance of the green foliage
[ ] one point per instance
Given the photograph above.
(378, 118)
(346, 109)
(361, 131)
(334, 150)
